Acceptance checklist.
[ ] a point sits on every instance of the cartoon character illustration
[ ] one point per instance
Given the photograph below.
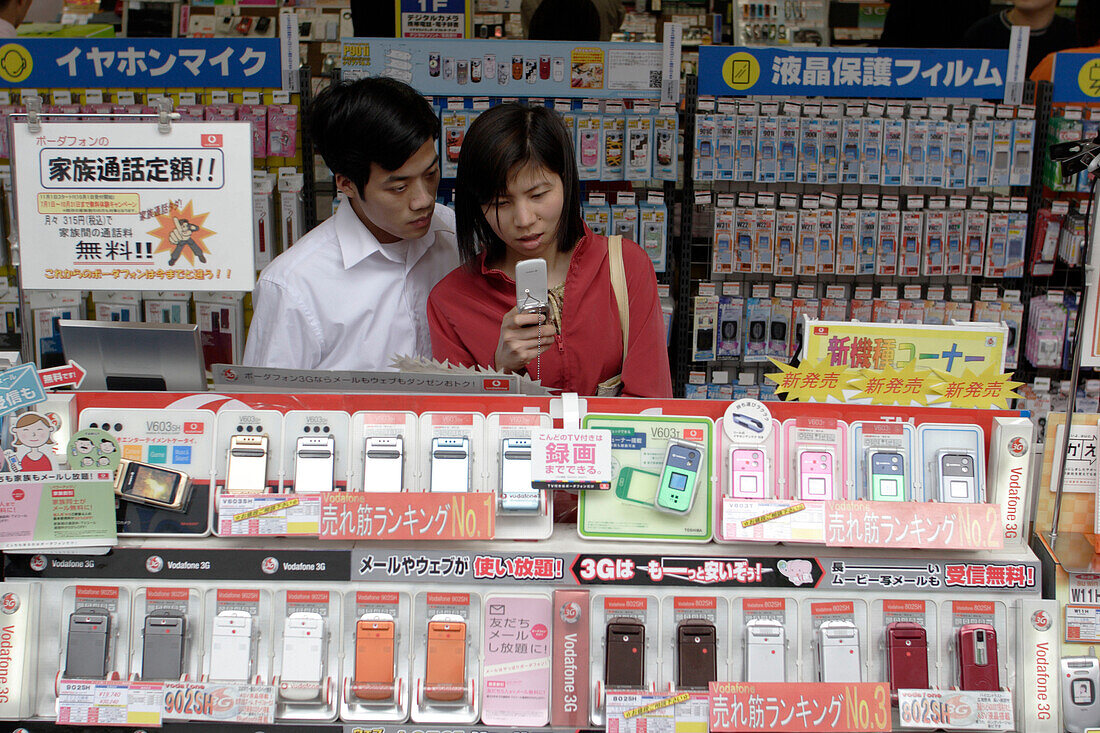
(83, 448)
(32, 431)
(180, 237)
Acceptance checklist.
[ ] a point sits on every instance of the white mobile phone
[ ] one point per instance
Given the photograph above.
(838, 655)
(384, 465)
(531, 294)
(314, 464)
(231, 647)
(516, 493)
(303, 656)
(450, 464)
(246, 466)
(1080, 693)
(765, 651)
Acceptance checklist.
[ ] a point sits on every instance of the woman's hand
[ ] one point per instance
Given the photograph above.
(522, 339)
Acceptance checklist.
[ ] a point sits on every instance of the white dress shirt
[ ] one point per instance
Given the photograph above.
(340, 300)
(7, 30)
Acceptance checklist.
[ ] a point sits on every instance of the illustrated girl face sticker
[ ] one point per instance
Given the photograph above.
(33, 431)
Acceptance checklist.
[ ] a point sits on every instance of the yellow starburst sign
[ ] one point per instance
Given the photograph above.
(990, 388)
(812, 381)
(909, 385)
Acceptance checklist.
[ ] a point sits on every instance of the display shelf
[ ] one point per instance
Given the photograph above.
(563, 560)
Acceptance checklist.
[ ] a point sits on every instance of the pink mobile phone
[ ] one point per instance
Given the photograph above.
(815, 474)
(590, 148)
(748, 479)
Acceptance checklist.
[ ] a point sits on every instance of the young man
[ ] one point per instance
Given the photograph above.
(1049, 32)
(353, 292)
(12, 13)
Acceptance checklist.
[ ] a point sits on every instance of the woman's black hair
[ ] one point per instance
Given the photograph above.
(374, 120)
(1087, 19)
(565, 20)
(500, 141)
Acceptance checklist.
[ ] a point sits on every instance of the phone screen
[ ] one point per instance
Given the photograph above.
(638, 486)
(150, 483)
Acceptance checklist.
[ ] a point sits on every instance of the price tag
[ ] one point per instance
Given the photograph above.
(571, 459)
(100, 702)
(956, 709)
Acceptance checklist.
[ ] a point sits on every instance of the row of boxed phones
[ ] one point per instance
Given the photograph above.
(451, 656)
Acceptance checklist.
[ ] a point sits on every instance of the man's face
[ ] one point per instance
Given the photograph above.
(1035, 4)
(396, 205)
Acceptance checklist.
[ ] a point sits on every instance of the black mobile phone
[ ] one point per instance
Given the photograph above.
(162, 646)
(696, 655)
(87, 644)
(624, 664)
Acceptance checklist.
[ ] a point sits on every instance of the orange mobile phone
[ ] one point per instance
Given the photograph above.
(373, 658)
(445, 677)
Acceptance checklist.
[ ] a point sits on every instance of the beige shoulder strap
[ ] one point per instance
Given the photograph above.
(618, 285)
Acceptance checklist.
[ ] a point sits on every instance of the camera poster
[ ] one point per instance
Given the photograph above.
(125, 206)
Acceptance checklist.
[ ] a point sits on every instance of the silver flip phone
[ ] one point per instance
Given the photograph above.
(246, 466)
(531, 294)
(303, 656)
(314, 464)
(384, 465)
(1080, 693)
(516, 493)
(231, 647)
(957, 476)
(765, 651)
(838, 655)
(450, 464)
(87, 644)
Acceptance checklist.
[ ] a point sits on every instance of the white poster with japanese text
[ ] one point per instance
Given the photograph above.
(106, 206)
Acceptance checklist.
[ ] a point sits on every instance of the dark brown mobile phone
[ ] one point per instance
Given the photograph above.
(696, 655)
(624, 663)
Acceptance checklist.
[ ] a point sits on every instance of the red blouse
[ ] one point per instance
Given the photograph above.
(466, 308)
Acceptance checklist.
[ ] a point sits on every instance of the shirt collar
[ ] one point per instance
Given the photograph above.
(357, 243)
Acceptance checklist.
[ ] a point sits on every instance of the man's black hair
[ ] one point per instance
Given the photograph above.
(1087, 18)
(374, 120)
(500, 141)
(565, 20)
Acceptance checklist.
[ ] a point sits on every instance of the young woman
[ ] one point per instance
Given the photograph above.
(517, 198)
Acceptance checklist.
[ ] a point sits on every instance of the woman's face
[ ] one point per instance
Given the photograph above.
(526, 216)
(34, 435)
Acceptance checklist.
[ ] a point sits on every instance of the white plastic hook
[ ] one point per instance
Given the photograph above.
(34, 110)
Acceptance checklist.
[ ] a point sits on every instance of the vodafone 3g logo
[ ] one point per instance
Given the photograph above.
(38, 563)
(1017, 447)
(270, 565)
(9, 603)
(154, 563)
(211, 140)
(1041, 620)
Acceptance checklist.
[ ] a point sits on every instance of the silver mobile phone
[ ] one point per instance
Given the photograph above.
(87, 644)
(162, 646)
(384, 465)
(838, 655)
(314, 463)
(303, 656)
(231, 646)
(531, 294)
(765, 651)
(516, 493)
(246, 467)
(957, 476)
(1080, 693)
(450, 464)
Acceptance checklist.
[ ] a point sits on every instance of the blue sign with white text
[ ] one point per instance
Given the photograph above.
(826, 72)
(20, 387)
(1076, 78)
(56, 63)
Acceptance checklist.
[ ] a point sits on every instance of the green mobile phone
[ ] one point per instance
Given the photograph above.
(676, 491)
(636, 486)
(887, 469)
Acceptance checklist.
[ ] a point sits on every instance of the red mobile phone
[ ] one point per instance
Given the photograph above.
(906, 657)
(978, 665)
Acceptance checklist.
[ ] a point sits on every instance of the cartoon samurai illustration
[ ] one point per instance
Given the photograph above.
(180, 237)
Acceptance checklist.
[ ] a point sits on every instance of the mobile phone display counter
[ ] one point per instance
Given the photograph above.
(352, 558)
